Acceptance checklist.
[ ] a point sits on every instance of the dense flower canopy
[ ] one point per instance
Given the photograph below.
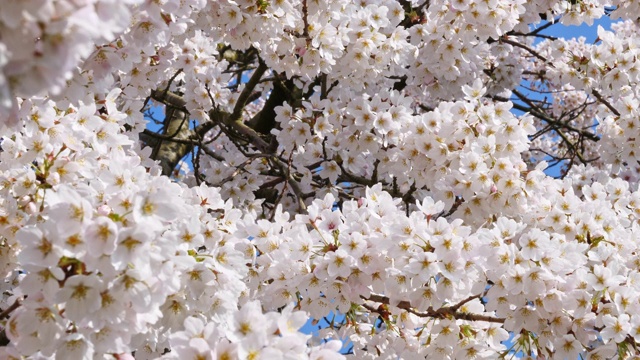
(378, 165)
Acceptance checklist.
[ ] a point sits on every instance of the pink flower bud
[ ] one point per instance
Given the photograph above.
(124, 356)
(104, 210)
(31, 208)
(301, 50)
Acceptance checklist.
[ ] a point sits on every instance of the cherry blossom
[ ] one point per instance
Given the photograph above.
(194, 179)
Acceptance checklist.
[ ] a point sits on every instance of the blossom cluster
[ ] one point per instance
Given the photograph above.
(453, 44)
(552, 277)
(396, 191)
(43, 41)
(594, 88)
(464, 149)
(98, 239)
(250, 335)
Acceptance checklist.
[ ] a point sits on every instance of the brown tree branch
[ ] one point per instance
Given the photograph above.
(546, 118)
(564, 137)
(6, 312)
(605, 102)
(188, 141)
(284, 168)
(506, 40)
(248, 89)
(443, 312)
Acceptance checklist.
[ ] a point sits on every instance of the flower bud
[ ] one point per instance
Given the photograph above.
(104, 210)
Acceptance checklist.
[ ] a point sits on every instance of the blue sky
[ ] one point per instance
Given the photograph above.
(590, 32)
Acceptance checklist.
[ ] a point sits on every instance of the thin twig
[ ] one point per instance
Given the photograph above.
(443, 312)
(302, 207)
(191, 140)
(525, 47)
(239, 169)
(248, 89)
(605, 102)
(166, 89)
(564, 137)
(6, 312)
(305, 20)
(196, 159)
(539, 114)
